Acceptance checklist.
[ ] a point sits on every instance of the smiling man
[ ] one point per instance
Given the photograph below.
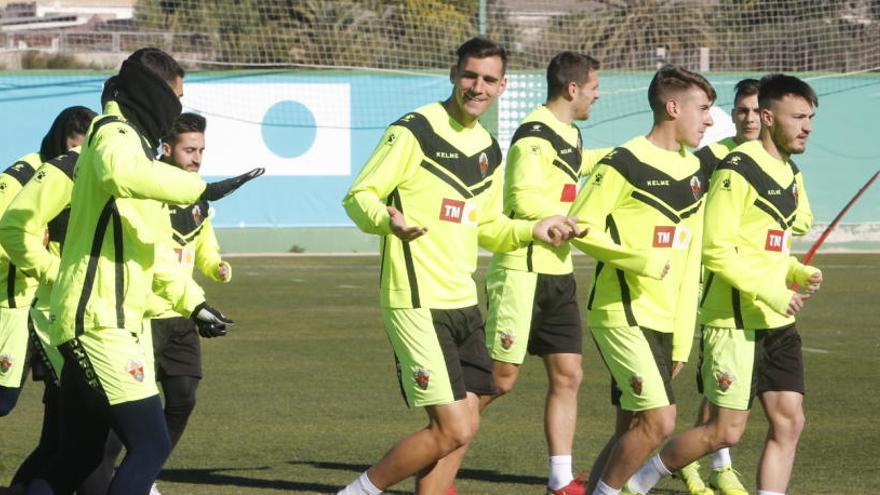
(433, 189)
(750, 344)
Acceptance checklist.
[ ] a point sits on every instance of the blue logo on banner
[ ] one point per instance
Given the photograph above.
(289, 129)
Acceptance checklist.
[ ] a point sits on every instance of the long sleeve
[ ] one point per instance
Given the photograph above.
(686, 312)
(727, 199)
(497, 232)
(124, 171)
(594, 203)
(389, 164)
(208, 258)
(23, 226)
(173, 284)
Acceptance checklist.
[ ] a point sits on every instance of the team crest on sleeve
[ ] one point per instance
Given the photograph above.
(724, 379)
(484, 164)
(422, 378)
(6, 363)
(135, 368)
(636, 382)
(696, 187)
(507, 340)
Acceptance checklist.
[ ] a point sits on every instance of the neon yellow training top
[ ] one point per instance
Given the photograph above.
(753, 203)
(648, 201)
(447, 178)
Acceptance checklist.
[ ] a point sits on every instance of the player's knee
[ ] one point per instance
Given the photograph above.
(504, 385)
(457, 436)
(788, 427)
(658, 427)
(726, 436)
(567, 379)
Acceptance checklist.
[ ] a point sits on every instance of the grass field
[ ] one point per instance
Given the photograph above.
(302, 396)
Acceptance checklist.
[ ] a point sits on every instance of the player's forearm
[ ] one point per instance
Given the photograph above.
(529, 204)
(641, 262)
(501, 234)
(125, 174)
(367, 212)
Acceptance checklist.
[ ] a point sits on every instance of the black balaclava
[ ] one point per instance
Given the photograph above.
(146, 100)
(55, 141)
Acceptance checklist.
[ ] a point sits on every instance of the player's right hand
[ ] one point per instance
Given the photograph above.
(796, 304)
(210, 322)
(813, 283)
(399, 228)
(221, 189)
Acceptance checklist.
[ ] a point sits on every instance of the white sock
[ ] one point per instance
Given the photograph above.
(603, 489)
(648, 475)
(560, 471)
(360, 486)
(721, 459)
(768, 492)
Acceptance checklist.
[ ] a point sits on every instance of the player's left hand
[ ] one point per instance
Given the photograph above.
(557, 229)
(210, 322)
(813, 283)
(221, 189)
(224, 272)
(677, 366)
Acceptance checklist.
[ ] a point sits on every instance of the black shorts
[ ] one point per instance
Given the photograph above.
(556, 317)
(177, 347)
(430, 342)
(532, 312)
(766, 360)
(779, 361)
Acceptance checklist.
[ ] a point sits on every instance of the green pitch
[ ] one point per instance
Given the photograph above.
(301, 396)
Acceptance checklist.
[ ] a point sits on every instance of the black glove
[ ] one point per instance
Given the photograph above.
(210, 322)
(225, 187)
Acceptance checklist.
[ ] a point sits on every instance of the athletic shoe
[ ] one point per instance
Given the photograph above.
(726, 480)
(154, 490)
(690, 475)
(574, 487)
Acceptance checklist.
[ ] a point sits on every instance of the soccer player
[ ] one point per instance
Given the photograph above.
(432, 190)
(747, 122)
(175, 337)
(750, 342)
(532, 296)
(647, 197)
(66, 132)
(112, 260)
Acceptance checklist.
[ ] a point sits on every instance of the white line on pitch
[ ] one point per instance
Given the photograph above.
(815, 350)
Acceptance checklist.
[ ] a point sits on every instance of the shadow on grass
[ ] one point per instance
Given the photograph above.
(486, 475)
(468, 474)
(226, 477)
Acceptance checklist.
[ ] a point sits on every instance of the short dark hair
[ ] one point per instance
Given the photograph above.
(568, 67)
(159, 62)
(185, 123)
(78, 122)
(746, 87)
(480, 47)
(773, 87)
(674, 78)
